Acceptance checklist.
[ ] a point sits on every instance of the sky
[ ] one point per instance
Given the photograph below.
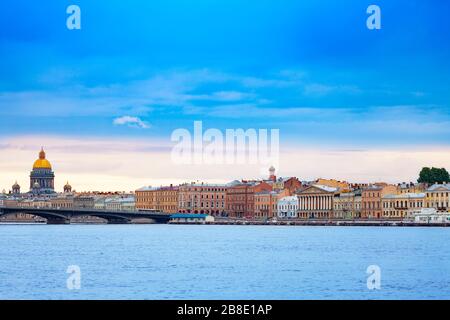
(350, 103)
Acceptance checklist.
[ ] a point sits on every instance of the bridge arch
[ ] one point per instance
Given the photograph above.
(51, 217)
(63, 216)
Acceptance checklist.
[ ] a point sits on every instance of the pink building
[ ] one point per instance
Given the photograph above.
(202, 198)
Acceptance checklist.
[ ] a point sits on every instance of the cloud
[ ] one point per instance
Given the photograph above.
(169, 89)
(126, 164)
(133, 122)
(317, 89)
(321, 111)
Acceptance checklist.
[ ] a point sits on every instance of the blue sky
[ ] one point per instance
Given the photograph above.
(310, 68)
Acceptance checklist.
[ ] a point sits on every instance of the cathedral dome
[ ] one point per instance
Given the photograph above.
(42, 163)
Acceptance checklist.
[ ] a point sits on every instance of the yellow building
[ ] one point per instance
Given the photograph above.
(410, 188)
(347, 205)
(164, 199)
(62, 202)
(438, 197)
(401, 206)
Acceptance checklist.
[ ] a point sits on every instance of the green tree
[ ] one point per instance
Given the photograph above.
(433, 175)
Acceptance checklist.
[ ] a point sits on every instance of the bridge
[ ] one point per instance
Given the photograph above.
(64, 216)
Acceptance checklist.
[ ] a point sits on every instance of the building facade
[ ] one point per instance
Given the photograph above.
(371, 200)
(266, 203)
(83, 202)
(347, 205)
(402, 206)
(287, 207)
(431, 215)
(438, 197)
(411, 188)
(203, 198)
(240, 198)
(126, 203)
(187, 218)
(162, 199)
(62, 202)
(316, 202)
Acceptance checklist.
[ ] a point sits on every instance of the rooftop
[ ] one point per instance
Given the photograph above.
(289, 199)
(404, 195)
(326, 188)
(439, 186)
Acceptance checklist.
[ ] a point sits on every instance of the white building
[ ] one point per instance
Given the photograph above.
(431, 215)
(120, 204)
(191, 218)
(287, 207)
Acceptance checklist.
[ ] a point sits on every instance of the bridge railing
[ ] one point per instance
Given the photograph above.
(87, 210)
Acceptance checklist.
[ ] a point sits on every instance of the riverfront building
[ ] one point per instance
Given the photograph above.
(240, 198)
(402, 206)
(431, 215)
(266, 203)
(347, 205)
(64, 201)
(126, 203)
(287, 207)
(438, 197)
(163, 199)
(191, 218)
(316, 202)
(371, 199)
(202, 198)
(83, 202)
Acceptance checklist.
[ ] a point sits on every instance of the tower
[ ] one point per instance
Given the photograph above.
(42, 177)
(67, 188)
(16, 189)
(272, 176)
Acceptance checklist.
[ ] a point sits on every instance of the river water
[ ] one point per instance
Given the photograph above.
(222, 262)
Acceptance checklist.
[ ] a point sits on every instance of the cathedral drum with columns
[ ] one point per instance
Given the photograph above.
(42, 177)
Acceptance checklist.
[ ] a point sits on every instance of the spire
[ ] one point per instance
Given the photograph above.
(42, 154)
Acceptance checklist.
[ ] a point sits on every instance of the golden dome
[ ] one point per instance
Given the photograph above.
(42, 163)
